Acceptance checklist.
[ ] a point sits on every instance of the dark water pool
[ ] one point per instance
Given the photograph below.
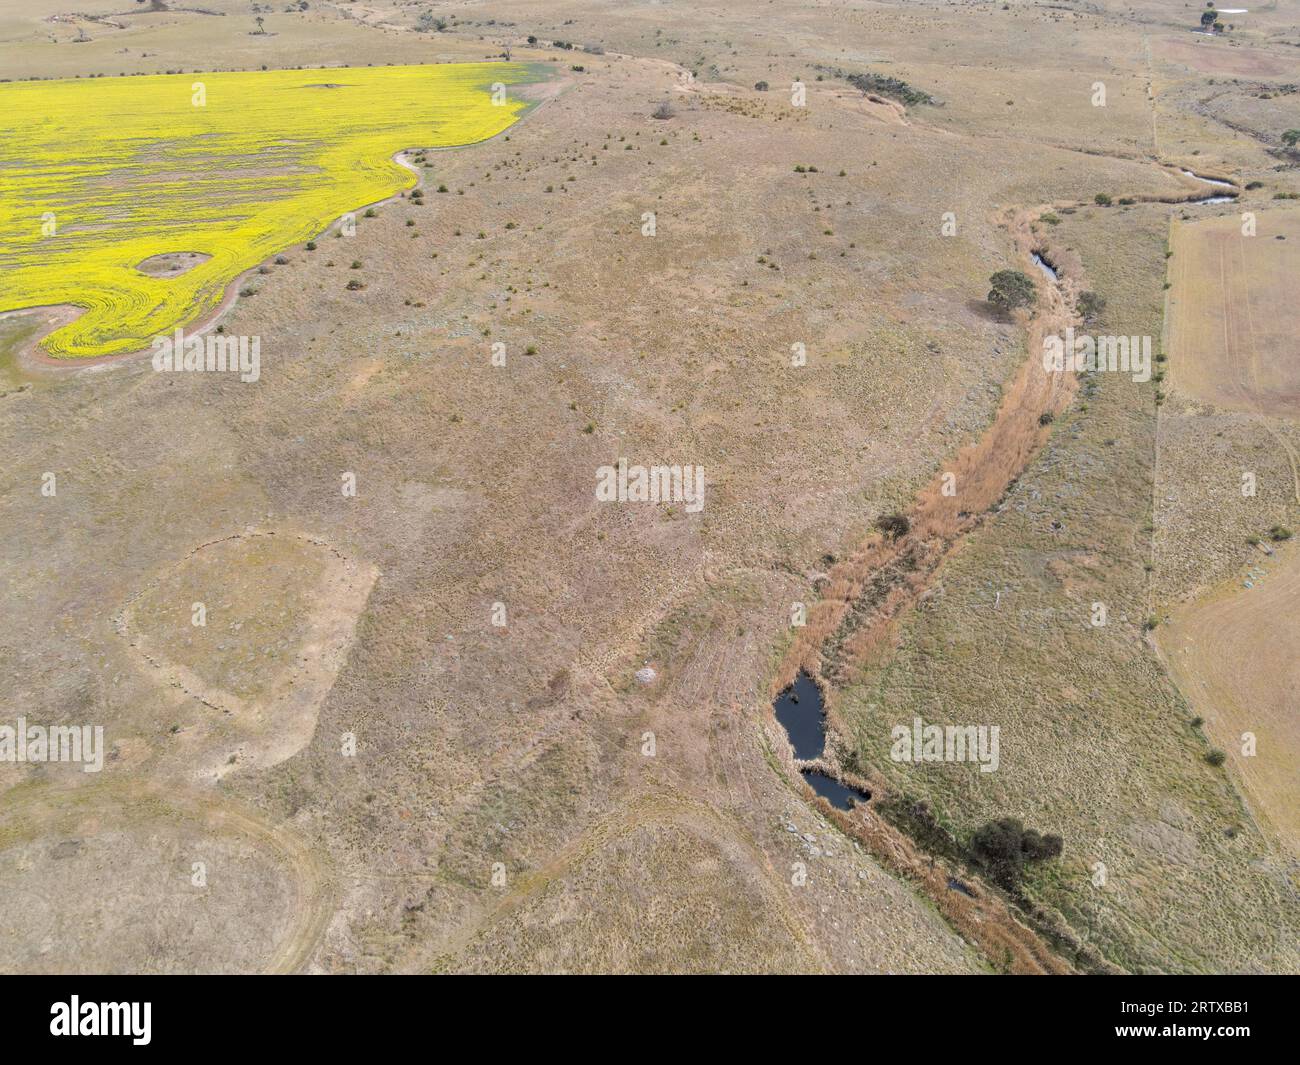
(837, 794)
(799, 709)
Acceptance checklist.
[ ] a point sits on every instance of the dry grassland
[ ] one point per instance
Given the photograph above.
(517, 800)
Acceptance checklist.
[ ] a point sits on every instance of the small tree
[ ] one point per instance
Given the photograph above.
(1011, 289)
(1002, 847)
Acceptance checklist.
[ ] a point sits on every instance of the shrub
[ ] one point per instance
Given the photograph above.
(1215, 757)
(664, 110)
(1102, 200)
(1091, 304)
(761, 86)
(894, 525)
(883, 85)
(1046, 418)
(1279, 533)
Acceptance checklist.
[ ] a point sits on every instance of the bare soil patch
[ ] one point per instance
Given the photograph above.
(279, 611)
(171, 263)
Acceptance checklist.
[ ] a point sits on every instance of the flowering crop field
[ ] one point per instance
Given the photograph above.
(99, 175)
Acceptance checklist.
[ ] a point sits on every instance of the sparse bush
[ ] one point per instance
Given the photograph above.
(664, 110)
(1279, 533)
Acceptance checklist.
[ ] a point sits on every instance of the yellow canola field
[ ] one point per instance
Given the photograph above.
(99, 174)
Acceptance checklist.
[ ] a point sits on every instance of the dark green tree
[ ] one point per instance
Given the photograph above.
(1011, 289)
(1003, 847)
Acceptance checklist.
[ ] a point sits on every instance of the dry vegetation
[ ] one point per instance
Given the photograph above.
(502, 811)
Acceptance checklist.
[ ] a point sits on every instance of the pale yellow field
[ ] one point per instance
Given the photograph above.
(1231, 340)
(1237, 659)
(99, 175)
